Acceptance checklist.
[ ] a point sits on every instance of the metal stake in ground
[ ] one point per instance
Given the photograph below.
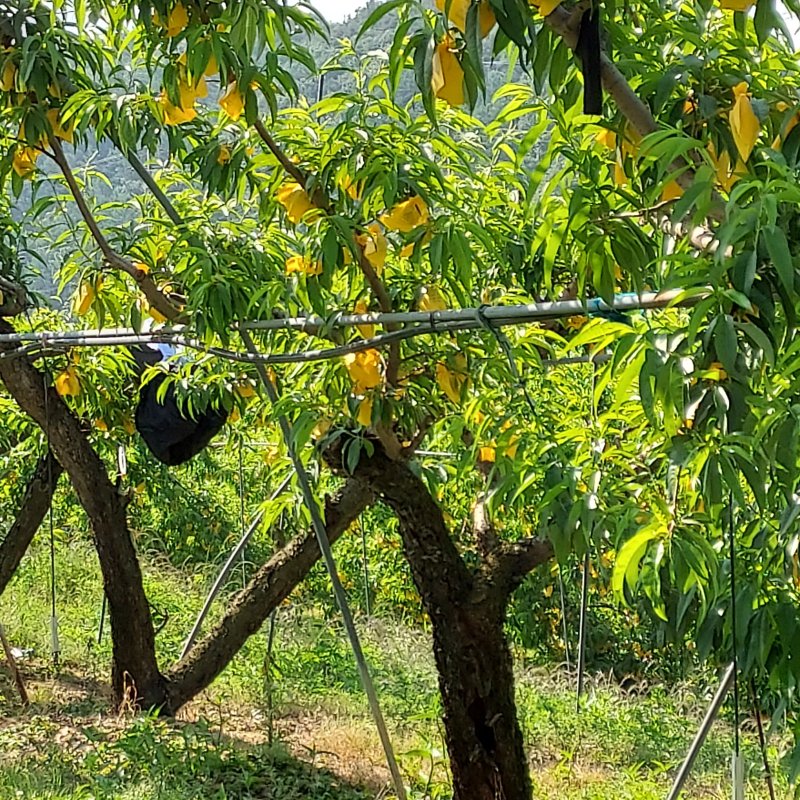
(592, 503)
(338, 590)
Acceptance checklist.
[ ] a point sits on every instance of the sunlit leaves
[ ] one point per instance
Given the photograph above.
(519, 208)
(626, 566)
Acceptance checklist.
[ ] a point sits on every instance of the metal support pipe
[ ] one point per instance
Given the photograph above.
(228, 567)
(700, 736)
(320, 530)
(582, 627)
(430, 322)
(592, 503)
(417, 324)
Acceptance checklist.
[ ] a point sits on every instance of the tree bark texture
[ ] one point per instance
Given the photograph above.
(467, 611)
(135, 674)
(34, 508)
(269, 587)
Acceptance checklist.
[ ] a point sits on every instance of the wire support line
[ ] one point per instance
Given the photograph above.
(227, 568)
(418, 324)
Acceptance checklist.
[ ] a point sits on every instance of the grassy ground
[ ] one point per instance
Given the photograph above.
(298, 726)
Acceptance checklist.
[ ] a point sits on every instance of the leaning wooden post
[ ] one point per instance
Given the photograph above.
(12, 663)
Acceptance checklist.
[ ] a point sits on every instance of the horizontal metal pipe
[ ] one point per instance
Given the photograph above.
(498, 315)
(419, 324)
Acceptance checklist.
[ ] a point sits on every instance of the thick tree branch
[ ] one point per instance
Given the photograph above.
(431, 552)
(157, 299)
(271, 584)
(512, 561)
(135, 670)
(33, 509)
(13, 298)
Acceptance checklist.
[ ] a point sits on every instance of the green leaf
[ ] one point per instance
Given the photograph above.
(781, 257)
(423, 71)
(759, 339)
(626, 567)
(725, 342)
(377, 14)
(764, 19)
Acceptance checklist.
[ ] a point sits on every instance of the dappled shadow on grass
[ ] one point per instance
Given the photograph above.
(67, 744)
(153, 758)
(68, 690)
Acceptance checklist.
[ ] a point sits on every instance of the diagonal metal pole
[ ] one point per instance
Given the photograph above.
(700, 736)
(330, 564)
(228, 567)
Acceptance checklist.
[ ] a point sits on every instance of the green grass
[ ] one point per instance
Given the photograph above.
(155, 759)
(67, 746)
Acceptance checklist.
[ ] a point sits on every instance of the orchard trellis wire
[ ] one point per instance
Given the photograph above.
(416, 323)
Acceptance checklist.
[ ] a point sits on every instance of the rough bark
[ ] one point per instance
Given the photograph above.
(34, 507)
(13, 298)
(135, 674)
(271, 584)
(467, 611)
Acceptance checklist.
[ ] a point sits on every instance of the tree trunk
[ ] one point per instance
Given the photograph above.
(271, 584)
(135, 675)
(34, 507)
(467, 610)
(476, 681)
